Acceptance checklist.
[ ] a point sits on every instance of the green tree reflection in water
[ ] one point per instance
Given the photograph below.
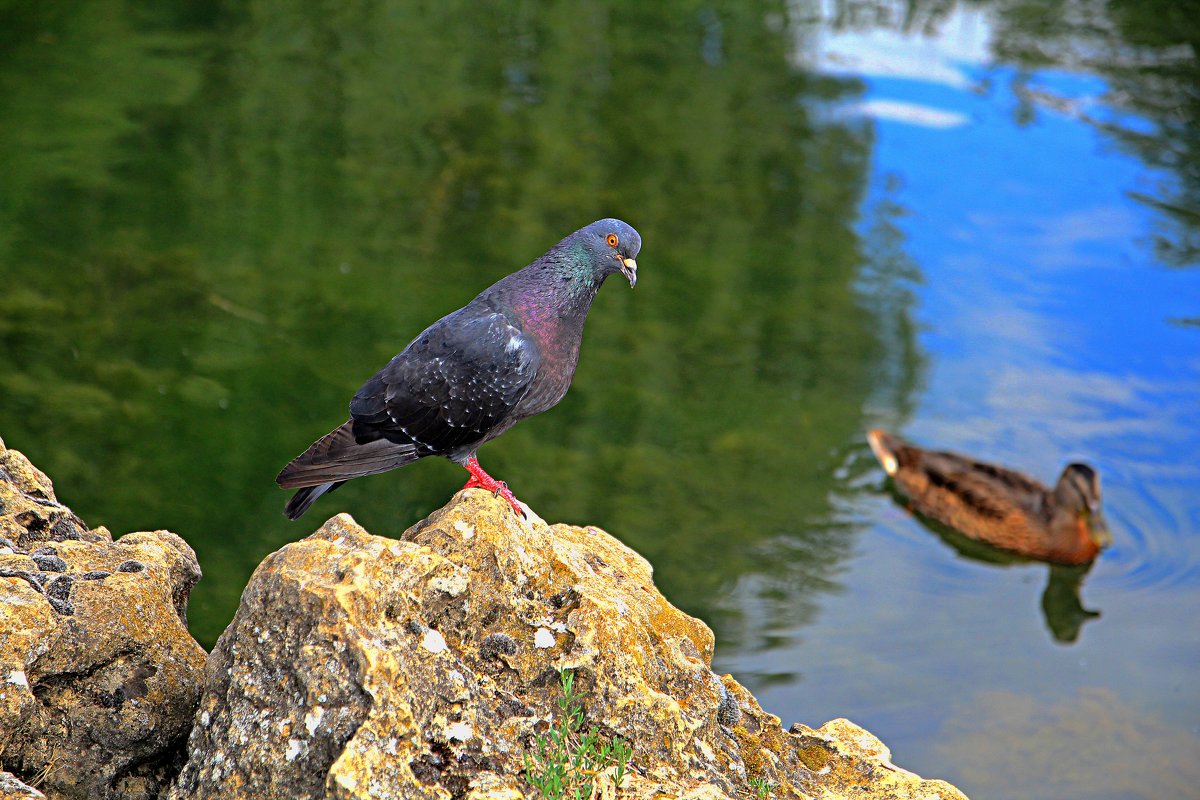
(1149, 56)
(267, 204)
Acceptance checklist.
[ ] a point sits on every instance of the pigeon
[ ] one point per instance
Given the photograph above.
(508, 354)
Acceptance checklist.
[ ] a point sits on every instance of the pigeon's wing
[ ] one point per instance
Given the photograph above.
(451, 386)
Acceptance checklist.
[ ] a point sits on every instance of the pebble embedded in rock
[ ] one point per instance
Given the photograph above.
(460, 731)
(434, 642)
(131, 566)
(58, 595)
(313, 718)
(728, 711)
(498, 644)
(67, 529)
(63, 607)
(60, 587)
(50, 563)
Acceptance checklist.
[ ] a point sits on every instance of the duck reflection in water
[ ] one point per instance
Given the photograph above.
(994, 514)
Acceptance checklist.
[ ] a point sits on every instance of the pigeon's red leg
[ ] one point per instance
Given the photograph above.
(482, 480)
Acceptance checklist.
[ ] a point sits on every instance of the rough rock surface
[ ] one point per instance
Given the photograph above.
(99, 677)
(13, 789)
(364, 667)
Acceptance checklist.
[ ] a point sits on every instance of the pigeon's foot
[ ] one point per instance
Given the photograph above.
(480, 479)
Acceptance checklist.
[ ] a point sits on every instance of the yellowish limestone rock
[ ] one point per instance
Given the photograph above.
(11, 788)
(98, 674)
(365, 667)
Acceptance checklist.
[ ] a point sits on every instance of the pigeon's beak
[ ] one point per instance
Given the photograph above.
(629, 270)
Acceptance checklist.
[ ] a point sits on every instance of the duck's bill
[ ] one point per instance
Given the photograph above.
(1098, 527)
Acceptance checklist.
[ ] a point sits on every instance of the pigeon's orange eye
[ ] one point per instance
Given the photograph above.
(612, 240)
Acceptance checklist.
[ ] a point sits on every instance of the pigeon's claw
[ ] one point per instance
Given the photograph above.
(481, 480)
(507, 494)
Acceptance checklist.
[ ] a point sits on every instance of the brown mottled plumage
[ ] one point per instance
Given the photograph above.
(1003, 508)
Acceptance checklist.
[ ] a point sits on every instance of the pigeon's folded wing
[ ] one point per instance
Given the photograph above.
(457, 381)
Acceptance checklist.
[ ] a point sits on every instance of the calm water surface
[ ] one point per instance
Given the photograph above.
(976, 224)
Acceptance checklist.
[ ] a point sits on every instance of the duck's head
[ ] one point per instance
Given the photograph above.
(1078, 493)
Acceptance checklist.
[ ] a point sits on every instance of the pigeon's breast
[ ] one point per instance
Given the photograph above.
(558, 342)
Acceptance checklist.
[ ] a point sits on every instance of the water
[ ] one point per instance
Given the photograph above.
(975, 224)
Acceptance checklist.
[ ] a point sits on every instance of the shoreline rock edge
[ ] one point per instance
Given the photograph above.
(359, 666)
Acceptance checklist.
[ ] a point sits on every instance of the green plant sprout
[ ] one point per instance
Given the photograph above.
(567, 760)
(762, 788)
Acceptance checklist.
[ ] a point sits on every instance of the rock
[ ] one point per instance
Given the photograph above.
(364, 667)
(11, 788)
(29, 511)
(99, 677)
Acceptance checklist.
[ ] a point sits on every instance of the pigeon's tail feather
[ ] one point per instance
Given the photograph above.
(303, 499)
(337, 457)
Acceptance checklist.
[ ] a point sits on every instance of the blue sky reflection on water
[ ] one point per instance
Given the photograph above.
(1052, 334)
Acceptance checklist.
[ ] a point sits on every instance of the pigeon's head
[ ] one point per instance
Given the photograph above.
(610, 246)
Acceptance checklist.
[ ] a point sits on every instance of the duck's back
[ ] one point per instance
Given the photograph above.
(982, 501)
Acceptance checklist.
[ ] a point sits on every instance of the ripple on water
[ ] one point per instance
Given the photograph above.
(1152, 514)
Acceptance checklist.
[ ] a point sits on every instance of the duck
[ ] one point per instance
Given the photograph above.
(999, 506)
